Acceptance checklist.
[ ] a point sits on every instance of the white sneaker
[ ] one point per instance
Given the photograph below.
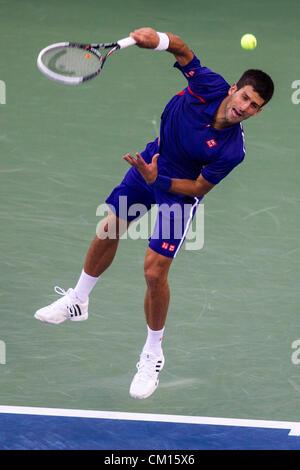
(68, 307)
(146, 380)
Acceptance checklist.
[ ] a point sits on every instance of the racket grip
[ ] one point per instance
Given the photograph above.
(126, 42)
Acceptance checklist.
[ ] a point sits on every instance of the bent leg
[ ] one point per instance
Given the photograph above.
(104, 246)
(100, 254)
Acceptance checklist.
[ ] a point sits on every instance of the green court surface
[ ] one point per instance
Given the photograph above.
(234, 310)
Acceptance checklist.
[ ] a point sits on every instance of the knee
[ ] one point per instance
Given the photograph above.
(154, 277)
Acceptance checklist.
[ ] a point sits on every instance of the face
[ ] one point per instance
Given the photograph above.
(242, 104)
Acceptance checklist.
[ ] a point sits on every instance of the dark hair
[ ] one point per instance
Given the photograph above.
(260, 81)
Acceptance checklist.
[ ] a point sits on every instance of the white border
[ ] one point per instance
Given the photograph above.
(293, 427)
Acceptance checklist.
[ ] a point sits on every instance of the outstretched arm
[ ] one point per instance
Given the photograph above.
(148, 38)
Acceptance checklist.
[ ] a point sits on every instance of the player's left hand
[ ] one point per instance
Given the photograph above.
(147, 170)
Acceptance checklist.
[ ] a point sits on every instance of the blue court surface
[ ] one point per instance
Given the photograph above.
(23, 428)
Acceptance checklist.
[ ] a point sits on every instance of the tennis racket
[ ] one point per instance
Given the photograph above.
(72, 63)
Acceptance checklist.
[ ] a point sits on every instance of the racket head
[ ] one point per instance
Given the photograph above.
(70, 63)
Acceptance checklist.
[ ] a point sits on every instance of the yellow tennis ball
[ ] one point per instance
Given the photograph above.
(248, 42)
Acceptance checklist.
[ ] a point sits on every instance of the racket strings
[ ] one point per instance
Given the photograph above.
(72, 61)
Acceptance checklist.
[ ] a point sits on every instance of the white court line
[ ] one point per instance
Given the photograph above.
(293, 427)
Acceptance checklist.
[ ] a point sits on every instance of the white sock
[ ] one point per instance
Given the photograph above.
(153, 342)
(85, 285)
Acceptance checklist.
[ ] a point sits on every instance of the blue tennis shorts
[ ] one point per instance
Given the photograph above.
(133, 198)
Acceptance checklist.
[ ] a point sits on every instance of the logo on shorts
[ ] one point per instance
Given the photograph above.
(211, 143)
(167, 246)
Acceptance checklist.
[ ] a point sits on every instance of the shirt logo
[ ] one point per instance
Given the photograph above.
(211, 143)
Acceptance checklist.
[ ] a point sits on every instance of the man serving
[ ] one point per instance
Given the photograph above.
(201, 141)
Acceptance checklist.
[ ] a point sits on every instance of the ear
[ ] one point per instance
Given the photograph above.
(232, 89)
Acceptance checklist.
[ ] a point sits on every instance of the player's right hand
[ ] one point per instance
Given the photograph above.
(146, 38)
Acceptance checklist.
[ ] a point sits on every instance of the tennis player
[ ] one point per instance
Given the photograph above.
(201, 141)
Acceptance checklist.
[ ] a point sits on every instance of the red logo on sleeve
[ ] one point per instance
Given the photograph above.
(190, 74)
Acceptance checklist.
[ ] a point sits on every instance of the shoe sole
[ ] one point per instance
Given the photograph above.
(82, 318)
(137, 397)
(38, 317)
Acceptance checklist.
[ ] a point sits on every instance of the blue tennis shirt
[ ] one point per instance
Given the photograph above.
(188, 144)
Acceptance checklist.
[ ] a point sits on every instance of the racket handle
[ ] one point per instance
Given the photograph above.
(126, 42)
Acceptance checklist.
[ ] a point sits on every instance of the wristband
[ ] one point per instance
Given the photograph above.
(164, 42)
(162, 182)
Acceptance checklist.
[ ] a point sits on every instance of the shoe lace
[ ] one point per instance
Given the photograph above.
(61, 291)
(146, 367)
